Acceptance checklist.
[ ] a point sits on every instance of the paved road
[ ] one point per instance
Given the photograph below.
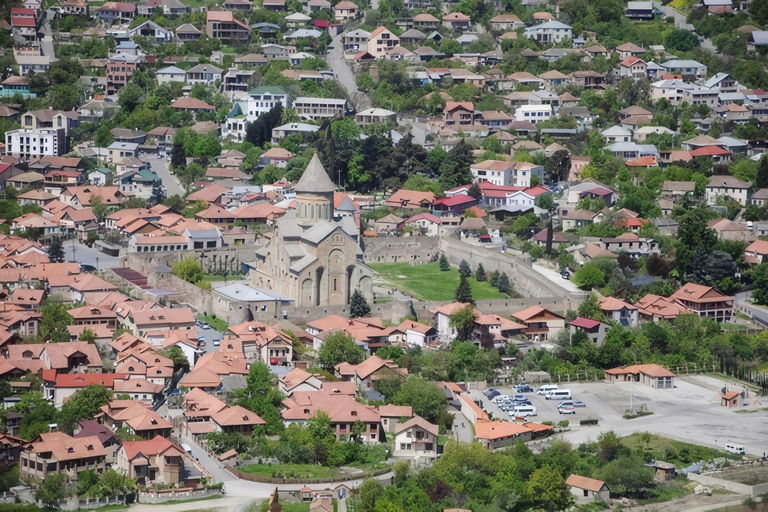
(759, 313)
(339, 66)
(80, 253)
(557, 279)
(682, 22)
(160, 166)
(46, 43)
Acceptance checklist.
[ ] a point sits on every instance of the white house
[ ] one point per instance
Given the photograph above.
(35, 143)
(171, 74)
(729, 186)
(533, 113)
(616, 134)
(416, 440)
(445, 332)
(686, 67)
(549, 32)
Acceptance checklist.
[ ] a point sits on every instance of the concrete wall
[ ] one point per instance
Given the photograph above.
(710, 481)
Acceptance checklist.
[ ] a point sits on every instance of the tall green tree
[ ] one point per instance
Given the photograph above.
(84, 404)
(464, 269)
(463, 321)
(358, 306)
(261, 396)
(464, 291)
(761, 179)
(52, 490)
(54, 321)
(56, 251)
(480, 275)
(339, 347)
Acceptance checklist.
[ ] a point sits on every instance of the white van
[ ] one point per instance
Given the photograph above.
(559, 394)
(523, 411)
(734, 448)
(545, 389)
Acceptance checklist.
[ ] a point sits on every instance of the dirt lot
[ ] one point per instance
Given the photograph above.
(748, 475)
(689, 503)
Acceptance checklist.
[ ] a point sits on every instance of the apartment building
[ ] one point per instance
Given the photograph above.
(224, 26)
(319, 108)
(120, 69)
(28, 144)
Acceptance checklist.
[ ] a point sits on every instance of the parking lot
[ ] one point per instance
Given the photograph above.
(690, 412)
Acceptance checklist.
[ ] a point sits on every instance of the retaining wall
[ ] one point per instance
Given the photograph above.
(269, 480)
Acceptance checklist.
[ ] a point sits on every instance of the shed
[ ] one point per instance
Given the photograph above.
(588, 489)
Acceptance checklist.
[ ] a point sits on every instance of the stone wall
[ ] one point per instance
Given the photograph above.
(212, 260)
(519, 269)
(399, 249)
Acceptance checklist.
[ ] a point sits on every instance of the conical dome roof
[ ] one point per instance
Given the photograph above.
(315, 179)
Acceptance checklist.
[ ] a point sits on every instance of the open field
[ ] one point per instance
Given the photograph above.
(428, 282)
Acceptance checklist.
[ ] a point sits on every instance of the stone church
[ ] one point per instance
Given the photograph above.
(313, 255)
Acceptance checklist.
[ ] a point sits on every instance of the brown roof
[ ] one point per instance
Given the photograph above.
(192, 103)
(418, 421)
(582, 482)
(63, 447)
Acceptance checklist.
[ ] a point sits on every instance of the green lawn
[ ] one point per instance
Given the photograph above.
(428, 282)
(215, 323)
(294, 507)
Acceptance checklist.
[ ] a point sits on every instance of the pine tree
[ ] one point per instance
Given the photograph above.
(444, 265)
(464, 269)
(503, 284)
(178, 155)
(475, 192)
(358, 306)
(464, 291)
(494, 278)
(480, 275)
(549, 238)
(761, 179)
(56, 251)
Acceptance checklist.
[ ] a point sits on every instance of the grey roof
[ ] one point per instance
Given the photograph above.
(289, 228)
(512, 208)
(304, 32)
(727, 182)
(640, 6)
(132, 146)
(188, 28)
(171, 70)
(731, 142)
(413, 33)
(204, 68)
(346, 205)
(674, 64)
(759, 37)
(319, 231)
(554, 24)
(347, 224)
(303, 263)
(315, 179)
(623, 146)
(359, 33)
(298, 127)
(241, 292)
(203, 235)
(294, 250)
(716, 79)
(615, 131)
(648, 149)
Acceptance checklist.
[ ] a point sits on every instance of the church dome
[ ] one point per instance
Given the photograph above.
(315, 179)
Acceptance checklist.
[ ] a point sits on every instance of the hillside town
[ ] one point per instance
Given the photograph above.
(383, 256)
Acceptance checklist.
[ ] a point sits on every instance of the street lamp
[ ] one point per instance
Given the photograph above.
(97, 263)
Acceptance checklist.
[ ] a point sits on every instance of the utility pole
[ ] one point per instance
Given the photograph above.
(74, 252)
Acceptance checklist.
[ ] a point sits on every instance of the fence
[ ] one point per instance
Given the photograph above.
(160, 496)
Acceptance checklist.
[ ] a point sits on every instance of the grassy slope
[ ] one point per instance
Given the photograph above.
(427, 282)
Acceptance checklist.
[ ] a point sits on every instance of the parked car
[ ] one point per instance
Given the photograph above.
(579, 403)
(568, 409)
(84, 267)
(565, 274)
(525, 388)
(518, 386)
(494, 394)
(216, 343)
(488, 391)
(519, 397)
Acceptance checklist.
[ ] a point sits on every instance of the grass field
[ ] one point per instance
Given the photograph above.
(428, 282)
(215, 323)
